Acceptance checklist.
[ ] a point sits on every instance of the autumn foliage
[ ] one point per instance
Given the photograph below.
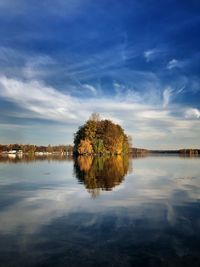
(100, 137)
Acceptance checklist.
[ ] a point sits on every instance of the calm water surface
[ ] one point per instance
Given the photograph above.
(100, 212)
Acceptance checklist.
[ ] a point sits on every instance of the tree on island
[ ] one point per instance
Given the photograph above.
(98, 136)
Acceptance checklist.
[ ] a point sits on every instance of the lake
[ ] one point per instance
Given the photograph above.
(115, 211)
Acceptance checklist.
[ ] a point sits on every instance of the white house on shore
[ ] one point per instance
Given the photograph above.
(14, 152)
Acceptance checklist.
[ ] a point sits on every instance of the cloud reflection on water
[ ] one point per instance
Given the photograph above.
(162, 182)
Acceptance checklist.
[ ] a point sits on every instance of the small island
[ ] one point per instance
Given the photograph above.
(100, 137)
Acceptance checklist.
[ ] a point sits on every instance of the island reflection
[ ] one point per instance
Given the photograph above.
(100, 173)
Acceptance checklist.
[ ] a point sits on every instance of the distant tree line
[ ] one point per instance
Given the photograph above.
(189, 152)
(98, 136)
(182, 152)
(31, 149)
(139, 152)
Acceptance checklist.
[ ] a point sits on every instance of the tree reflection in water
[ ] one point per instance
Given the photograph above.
(31, 158)
(100, 173)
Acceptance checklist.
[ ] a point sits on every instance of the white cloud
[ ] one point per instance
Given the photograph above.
(40, 100)
(91, 88)
(151, 54)
(167, 93)
(174, 63)
(192, 113)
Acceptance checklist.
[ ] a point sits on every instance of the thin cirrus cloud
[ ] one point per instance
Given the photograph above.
(174, 63)
(167, 93)
(151, 54)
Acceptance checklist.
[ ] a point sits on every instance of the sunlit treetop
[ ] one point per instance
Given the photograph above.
(98, 136)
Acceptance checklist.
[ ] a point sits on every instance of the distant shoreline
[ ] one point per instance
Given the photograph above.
(25, 149)
(188, 152)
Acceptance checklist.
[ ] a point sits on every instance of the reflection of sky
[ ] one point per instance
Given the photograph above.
(34, 195)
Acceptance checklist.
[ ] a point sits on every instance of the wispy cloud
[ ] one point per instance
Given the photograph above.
(151, 54)
(174, 63)
(36, 67)
(40, 100)
(167, 93)
(91, 88)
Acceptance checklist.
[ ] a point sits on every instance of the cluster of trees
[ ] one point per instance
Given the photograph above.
(31, 149)
(100, 173)
(98, 136)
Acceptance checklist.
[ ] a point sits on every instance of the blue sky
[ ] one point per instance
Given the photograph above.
(135, 62)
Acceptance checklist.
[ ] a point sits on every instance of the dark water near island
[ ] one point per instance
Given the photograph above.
(100, 211)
